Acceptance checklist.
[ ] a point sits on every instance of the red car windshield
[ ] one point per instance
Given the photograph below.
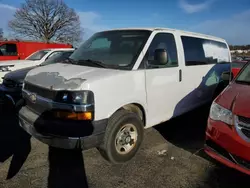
(244, 75)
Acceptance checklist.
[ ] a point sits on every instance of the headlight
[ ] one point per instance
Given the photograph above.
(5, 68)
(219, 113)
(78, 98)
(75, 97)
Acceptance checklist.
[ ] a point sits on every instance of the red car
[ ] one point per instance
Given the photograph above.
(228, 129)
(236, 67)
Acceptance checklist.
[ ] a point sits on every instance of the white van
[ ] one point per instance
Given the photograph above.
(119, 83)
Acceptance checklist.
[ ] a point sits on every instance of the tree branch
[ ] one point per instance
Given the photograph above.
(47, 20)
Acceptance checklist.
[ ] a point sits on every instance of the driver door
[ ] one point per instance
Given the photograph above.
(163, 83)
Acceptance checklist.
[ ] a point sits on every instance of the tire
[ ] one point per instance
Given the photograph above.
(109, 147)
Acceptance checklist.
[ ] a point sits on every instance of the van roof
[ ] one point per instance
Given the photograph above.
(171, 30)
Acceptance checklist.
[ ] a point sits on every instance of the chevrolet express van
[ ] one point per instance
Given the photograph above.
(120, 82)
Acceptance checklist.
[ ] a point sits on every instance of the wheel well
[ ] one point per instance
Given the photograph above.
(136, 108)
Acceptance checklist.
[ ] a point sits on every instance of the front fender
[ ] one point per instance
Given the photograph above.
(116, 91)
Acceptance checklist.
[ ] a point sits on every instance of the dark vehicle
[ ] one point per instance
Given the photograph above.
(11, 88)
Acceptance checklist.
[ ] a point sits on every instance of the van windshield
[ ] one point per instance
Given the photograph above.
(37, 55)
(244, 75)
(111, 49)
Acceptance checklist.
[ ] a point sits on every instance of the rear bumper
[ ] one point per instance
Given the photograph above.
(89, 135)
(224, 145)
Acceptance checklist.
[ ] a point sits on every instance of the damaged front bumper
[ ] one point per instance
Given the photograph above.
(62, 134)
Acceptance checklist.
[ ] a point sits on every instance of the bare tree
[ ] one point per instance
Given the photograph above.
(46, 20)
(1, 34)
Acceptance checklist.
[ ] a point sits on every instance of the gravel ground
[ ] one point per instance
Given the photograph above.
(171, 156)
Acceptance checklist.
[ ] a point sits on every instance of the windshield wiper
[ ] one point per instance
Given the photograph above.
(242, 82)
(90, 62)
(72, 61)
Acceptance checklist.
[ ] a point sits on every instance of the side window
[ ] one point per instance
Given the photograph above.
(216, 52)
(100, 43)
(165, 42)
(199, 51)
(53, 54)
(193, 51)
(8, 50)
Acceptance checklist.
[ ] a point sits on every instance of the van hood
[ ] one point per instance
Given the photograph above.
(61, 76)
(236, 97)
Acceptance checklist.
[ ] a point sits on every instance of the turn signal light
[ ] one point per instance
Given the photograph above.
(74, 115)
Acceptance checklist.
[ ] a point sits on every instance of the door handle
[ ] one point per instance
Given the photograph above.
(180, 75)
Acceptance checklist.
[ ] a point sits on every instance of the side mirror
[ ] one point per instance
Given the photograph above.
(160, 57)
(227, 76)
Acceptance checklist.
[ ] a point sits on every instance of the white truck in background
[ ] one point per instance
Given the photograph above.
(34, 59)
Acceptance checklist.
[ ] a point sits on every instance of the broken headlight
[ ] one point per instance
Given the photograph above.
(75, 97)
(219, 113)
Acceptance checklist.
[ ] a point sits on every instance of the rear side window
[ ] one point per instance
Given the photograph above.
(8, 50)
(199, 51)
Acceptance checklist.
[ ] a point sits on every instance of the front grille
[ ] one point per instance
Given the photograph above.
(244, 125)
(43, 92)
(244, 119)
(246, 132)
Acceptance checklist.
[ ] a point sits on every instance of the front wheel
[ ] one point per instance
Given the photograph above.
(123, 137)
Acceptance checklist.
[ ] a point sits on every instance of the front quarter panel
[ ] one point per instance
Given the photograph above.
(113, 92)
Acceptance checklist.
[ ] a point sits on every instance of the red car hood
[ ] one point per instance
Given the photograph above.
(236, 97)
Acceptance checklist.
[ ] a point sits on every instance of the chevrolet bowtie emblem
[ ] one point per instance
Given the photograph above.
(32, 97)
